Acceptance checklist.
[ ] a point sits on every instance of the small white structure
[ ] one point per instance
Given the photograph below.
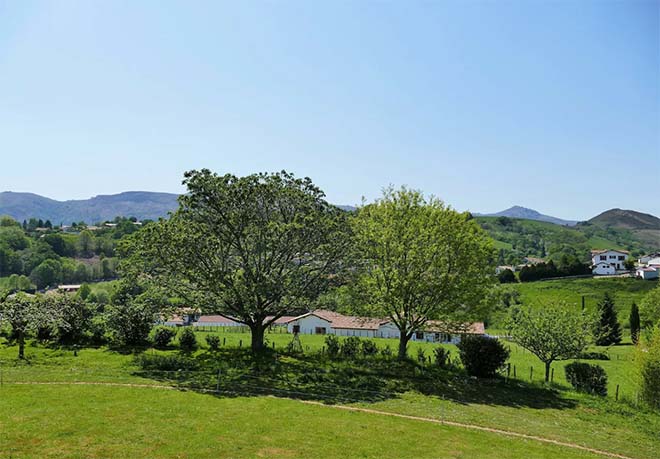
(71, 288)
(647, 258)
(441, 332)
(182, 317)
(605, 262)
(653, 262)
(647, 273)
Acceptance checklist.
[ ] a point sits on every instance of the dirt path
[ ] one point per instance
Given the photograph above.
(353, 408)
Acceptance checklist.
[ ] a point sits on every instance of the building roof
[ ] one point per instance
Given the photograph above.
(344, 322)
(653, 262)
(438, 326)
(648, 269)
(598, 252)
(216, 319)
(69, 286)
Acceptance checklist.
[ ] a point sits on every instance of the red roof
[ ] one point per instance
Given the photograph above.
(438, 326)
(216, 319)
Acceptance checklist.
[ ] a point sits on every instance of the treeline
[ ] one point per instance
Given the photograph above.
(549, 270)
(37, 254)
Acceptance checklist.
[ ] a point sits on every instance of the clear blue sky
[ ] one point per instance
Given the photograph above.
(551, 105)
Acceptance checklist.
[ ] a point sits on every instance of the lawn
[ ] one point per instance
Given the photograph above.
(246, 421)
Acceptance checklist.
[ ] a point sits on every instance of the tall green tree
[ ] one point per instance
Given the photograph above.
(649, 309)
(253, 247)
(635, 323)
(420, 260)
(552, 332)
(607, 330)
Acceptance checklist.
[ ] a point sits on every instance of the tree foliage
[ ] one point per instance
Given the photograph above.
(482, 356)
(635, 323)
(24, 314)
(552, 332)
(421, 260)
(607, 330)
(254, 247)
(649, 310)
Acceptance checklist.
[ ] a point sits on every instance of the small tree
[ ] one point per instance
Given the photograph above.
(131, 314)
(482, 356)
(649, 309)
(607, 330)
(587, 378)
(635, 324)
(163, 336)
(507, 276)
(648, 364)
(75, 317)
(213, 342)
(552, 332)
(24, 314)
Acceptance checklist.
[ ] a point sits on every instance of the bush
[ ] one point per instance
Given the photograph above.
(386, 352)
(187, 339)
(350, 348)
(163, 336)
(482, 356)
(648, 358)
(441, 357)
(213, 342)
(369, 348)
(421, 356)
(593, 356)
(171, 362)
(332, 345)
(587, 378)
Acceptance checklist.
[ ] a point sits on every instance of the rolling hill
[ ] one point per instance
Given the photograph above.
(643, 227)
(139, 204)
(529, 214)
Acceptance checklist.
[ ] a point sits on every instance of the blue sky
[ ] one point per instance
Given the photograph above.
(550, 105)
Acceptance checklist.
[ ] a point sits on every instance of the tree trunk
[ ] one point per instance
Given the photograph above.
(257, 332)
(547, 371)
(21, 345)
(403, 346)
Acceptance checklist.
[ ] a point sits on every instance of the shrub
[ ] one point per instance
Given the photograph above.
(332, 345)
(171, 362)
(369, 348)
(587, 378)
(350, 348)
(593, 356)
(386, 352)
(441, 357)
(187, 339)
(648, 358)
(421, 355)
(213, 342)
(163, 336)
(482, 356)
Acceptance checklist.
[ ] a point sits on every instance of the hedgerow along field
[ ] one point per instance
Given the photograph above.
(77, 417)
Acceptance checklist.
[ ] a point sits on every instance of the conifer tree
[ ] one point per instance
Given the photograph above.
(634, 323)
(607, 330)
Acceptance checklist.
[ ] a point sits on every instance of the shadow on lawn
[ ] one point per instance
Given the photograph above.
(235, 372)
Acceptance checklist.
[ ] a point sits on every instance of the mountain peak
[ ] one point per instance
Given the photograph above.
(529, 214)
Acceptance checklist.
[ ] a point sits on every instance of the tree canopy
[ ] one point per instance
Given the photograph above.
(421, 260)
(253, 248)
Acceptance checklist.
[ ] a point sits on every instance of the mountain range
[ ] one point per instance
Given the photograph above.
(529, 214)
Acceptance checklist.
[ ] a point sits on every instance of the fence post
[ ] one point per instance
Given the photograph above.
(514, 372)
(552, 375)
(616, 397)
(508, 371)
(217, 386)
(240, 343)
(224, 340)
(531, 373)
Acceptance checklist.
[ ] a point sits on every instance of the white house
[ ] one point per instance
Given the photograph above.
(646, 258)
(647, 272)
(653, 262)
(608, 261)
(321, 322)
(181, 317)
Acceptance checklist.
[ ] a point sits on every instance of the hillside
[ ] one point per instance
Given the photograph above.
(529, 214)
(139, 204)
(518, 238)
(627, 219)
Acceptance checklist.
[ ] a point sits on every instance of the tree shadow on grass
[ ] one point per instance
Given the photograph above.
(315, 377)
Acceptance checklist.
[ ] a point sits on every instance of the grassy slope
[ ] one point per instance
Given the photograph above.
(624, 290)
(519, 407)
(132, 423)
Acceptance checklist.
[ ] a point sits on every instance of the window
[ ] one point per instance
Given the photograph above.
(603, 257)
(612, 257)
(419, 335)
(296, 329)
(621, 257)
(319, 330)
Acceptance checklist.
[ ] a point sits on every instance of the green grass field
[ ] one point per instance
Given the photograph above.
(113, 421)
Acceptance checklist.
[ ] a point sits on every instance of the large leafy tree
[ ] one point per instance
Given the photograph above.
(552, 332)
(253, 248)
(649, 309)
(607, 330)
(421, 260)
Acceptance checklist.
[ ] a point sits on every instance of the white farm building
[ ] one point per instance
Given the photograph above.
(321, 322)
(604, 262)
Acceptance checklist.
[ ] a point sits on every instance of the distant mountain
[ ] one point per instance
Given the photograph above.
(529, 214)
(627, 219)
(347, 208)
(140, 204)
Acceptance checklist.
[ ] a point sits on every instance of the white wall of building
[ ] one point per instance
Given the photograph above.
(603, 268)
(309, 324)
(618, 259)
